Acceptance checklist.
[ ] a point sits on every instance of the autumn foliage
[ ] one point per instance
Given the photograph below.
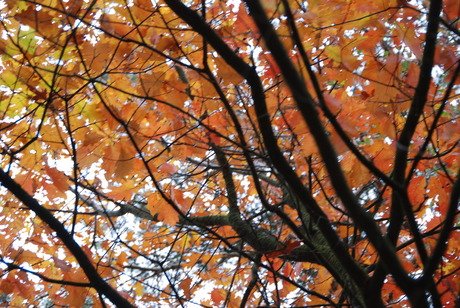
(272, 153)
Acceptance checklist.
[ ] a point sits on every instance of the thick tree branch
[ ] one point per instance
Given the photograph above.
(91, 272)
(400, 207)
(261, 240)
(206, 221)
(306, 105)
(277, 158)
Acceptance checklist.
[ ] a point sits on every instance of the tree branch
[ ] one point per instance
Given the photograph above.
(91, 272)
(277, 158)
(306, 105)
(446, 230)
(261, 240)
(12, 266)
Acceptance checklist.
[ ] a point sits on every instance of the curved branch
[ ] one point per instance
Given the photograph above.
(124, 207)
(252, 283)
(261, 240)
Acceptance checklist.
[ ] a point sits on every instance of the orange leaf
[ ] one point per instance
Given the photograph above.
(216, 296)
(214, 138)
(124, 164)
(177, 195)
(59, 178)
(122, 258)
(75, 296)
(185, 286)
(156, 204)
(8, 284)
(167, 168)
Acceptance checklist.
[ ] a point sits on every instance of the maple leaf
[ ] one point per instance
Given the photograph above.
(59, 179)
(157, 205)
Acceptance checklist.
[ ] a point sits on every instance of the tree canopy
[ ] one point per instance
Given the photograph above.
(272, 153)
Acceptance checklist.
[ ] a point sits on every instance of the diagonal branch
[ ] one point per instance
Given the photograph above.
(400, 207)
(96, 280)
(326, 110)
(306, 105)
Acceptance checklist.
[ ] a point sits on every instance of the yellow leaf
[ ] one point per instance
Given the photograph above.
(334, 53)
(19, 6)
